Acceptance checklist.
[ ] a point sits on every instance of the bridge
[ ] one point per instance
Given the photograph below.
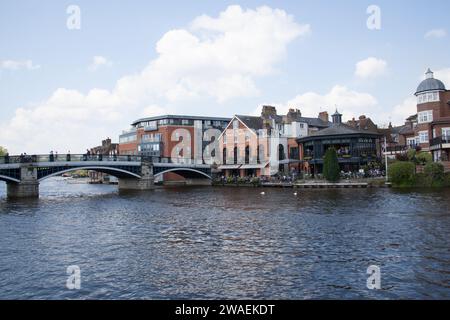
(23, 174)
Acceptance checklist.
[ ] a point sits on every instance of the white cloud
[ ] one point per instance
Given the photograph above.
(444, 76)
(18, 64)
(99, 61)
(436, 33)
(348, 102)
(402, 111)
(215, 58)
(370, 68)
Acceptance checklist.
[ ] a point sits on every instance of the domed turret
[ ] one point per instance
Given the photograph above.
(430, 84)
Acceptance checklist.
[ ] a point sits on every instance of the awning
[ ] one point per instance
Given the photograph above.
(229, 167)
(254, 166)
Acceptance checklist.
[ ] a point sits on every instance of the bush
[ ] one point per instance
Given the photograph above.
(331, 169)
(402, 173)
(411, 153)
(255, 181)
(424, 157)
(401, 157)
(435, 173)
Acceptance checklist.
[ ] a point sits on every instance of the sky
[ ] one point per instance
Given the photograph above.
(72, 77)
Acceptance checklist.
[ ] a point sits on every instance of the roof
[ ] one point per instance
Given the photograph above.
(180, 117)
(430, 84)
(339, 129)
(257, 123)
(363, 124)
(251, 122)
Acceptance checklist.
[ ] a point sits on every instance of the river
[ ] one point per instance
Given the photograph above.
(218, 242)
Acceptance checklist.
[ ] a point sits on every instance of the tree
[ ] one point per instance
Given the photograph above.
(435, 172)
(424, 157)
(331, 169)
(402, 173)
(3, 151)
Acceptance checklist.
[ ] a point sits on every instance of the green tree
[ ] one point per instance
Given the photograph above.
(3, 151)
(402, 173)
(331, 165)
(434, 172)
(411, 153)
(424, 158)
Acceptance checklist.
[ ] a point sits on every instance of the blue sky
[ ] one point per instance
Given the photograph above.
(302, 73)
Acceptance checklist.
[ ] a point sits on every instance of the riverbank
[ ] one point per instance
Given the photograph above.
(311, 183)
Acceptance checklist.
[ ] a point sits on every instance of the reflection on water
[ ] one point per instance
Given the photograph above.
(208, 243)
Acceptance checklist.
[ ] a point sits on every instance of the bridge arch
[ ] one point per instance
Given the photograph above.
(180, 171)
(116, 172)
(8, 179)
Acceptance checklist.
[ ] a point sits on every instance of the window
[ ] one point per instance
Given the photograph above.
(423, 137)
(184, 122)
(446, 132)
(428, 97)
(425, 116)
(411, 142)
(235, 124)
(127, 139)
(302, 125)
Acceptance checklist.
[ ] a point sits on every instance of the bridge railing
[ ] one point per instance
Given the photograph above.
(98, 157)
(67, 157)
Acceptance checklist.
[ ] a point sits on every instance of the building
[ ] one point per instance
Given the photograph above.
(266, 145)
(185, 139)
(354, 146)
(107, 148)
(432, 131)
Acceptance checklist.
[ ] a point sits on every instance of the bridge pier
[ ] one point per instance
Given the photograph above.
(28, 187)
(146, 182)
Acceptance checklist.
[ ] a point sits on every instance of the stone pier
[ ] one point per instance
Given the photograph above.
(144, 183)
(28, 187)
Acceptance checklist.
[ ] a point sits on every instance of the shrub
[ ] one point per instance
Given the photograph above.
(255, 181)
(401, 157)
(435, 173)
(424, 158)
(331, 169)
(402, 173)
(411, 153)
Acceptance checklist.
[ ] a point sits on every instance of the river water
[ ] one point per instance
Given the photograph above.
(216, 242)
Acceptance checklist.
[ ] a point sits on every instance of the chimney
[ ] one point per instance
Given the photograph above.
(362, 117)
(268, 111)
(324, 116)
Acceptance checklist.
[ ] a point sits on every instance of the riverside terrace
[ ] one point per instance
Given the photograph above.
(23, 174)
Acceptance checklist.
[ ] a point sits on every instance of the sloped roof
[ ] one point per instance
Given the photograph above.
(336, 129)
(255, 123)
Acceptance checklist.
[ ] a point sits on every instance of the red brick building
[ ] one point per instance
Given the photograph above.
(266, 145)
(433, 117)
(173, 138)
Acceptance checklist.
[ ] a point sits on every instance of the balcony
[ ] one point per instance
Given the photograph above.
(442, 142)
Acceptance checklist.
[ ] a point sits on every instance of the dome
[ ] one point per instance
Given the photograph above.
(430, 84)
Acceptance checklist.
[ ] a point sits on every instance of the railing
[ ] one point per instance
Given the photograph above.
(398, 148)
(439, 140)
(98, 157)
(67, 158)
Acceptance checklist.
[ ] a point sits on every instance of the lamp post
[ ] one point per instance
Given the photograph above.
(386, 158)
